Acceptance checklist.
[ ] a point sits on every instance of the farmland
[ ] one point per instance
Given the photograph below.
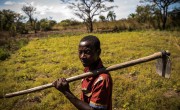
(43, 60)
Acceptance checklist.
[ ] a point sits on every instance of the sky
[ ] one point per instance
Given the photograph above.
(56, 10)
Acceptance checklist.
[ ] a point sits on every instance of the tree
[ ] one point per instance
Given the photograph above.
(29, 10)
(69, 22)
(163, 6)
(174, 16)
(102, 18)
(46, 25)
(144, 13)
(20, 26)
(87, 9)
(111, 16)
(132, 16)
(11, 21)
(7, 19)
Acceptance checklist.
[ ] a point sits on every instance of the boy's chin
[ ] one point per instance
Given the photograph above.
(85, 65)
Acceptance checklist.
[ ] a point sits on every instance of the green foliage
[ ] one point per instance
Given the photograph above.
(139, 87)
(10, 45)
(111, 16)
(46, 25)
(21, 42)
(69, 24)
(21, 28)
(7, 17)
(3, 54)
(102, 18)
(10, 21)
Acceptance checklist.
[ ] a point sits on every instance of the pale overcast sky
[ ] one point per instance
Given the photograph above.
(59, 11)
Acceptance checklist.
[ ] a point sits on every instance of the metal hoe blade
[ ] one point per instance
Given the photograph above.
(163, 65)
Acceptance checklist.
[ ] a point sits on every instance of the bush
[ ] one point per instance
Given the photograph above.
(3, 54)
(69, 22)
(21, 43)
(46, 25)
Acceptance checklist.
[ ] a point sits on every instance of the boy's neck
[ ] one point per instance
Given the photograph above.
(94, 65)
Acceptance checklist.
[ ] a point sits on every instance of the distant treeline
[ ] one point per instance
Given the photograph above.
(145, 17)
(15, 23)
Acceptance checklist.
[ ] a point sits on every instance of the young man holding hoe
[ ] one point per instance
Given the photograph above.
(96, 90)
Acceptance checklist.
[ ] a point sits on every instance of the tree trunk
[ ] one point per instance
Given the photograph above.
(164, 23)
(91, 26)
(164, 18)
(31, 21)
(35, 31)
(87, 26)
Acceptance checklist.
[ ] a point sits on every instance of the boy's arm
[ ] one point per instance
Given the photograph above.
(63, 86)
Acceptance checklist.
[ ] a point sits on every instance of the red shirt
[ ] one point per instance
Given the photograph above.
(97, 90)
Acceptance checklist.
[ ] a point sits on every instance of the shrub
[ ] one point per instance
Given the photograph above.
(3, 54)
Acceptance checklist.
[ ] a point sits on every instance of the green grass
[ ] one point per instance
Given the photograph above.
(10, 45)
(139, 87)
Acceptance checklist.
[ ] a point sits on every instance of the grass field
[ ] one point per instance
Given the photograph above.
(43, 60)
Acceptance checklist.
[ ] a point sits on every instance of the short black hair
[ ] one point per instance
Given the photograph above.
(93, 39)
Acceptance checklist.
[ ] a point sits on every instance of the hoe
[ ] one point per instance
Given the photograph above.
(163, 68)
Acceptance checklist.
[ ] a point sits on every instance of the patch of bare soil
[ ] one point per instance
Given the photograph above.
(41, 34)
(27, 102)
(171, 93)
(69, 71)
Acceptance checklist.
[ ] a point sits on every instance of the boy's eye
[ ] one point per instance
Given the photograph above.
(85, 52)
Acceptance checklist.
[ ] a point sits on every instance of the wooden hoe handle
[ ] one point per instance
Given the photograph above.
(88, 74)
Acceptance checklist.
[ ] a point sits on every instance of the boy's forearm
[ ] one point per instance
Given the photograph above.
(76, 102)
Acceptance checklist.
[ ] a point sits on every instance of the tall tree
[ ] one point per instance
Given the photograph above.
(29, 10)
(111, 16)
(175, 17)
(11, 21)
(163, 6)
(7, 19)
(87, 9)
(144, 13)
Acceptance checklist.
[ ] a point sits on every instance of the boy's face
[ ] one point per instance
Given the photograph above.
(88, 54)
